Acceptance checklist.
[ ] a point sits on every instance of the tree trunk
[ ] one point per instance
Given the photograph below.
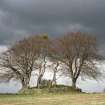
(39, 81)
(74, 83)
(54, 79)
(25, 83)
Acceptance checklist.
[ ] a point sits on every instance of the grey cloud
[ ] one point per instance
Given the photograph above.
(19, 18)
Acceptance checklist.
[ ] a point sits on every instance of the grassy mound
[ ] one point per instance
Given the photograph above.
(63, 89)
(53, 90)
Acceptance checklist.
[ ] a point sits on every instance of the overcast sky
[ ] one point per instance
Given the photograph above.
(19, 18)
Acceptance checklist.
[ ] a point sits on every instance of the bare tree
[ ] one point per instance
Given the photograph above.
(55, 71)
(41, 68)
(42, 61)
(78, 52)
(58, 70)
(20, 59)
(56, 67)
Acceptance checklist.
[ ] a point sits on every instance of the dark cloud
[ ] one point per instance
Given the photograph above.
(19, 18)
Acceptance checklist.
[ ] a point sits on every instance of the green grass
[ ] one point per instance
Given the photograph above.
(53, 99)
(44, 97)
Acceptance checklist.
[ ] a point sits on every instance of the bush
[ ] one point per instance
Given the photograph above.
(44, 83)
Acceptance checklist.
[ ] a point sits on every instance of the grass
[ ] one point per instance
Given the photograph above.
(43, 97)
(53, 99)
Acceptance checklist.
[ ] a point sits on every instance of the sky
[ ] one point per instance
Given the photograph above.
(20, 18)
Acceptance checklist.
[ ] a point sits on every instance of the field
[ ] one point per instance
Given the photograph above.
(53, 99)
